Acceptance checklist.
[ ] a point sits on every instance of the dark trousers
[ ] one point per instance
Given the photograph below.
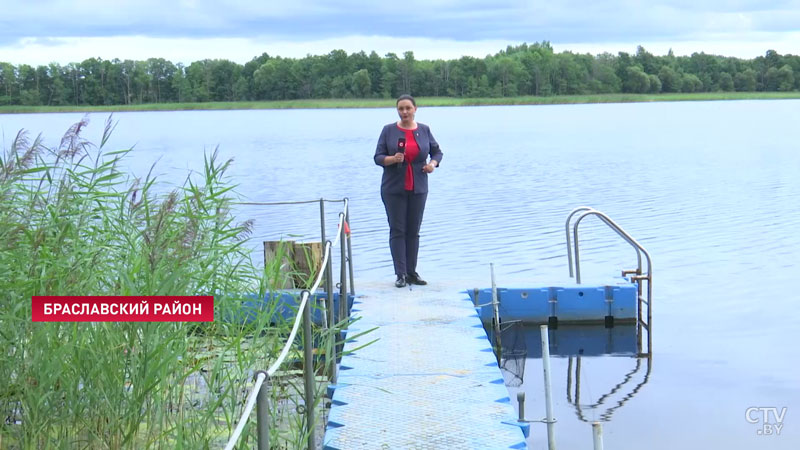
(404, 212)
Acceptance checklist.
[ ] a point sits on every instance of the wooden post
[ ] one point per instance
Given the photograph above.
(282, 250)
(307, 256)
(299, 262)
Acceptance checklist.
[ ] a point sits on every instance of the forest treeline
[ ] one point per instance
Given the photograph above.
(527, 69)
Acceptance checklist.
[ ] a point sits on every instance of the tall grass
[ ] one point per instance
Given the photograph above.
(72, 223)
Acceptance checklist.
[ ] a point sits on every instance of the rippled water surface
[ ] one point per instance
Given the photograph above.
(709, 188)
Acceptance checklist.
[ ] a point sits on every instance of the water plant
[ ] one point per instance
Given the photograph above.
(73, 223)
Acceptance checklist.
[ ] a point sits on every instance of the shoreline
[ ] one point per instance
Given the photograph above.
(422, 101)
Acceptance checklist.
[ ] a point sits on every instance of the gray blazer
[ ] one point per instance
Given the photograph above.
(393, 181)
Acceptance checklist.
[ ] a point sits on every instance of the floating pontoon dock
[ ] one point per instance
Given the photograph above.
(430, 380)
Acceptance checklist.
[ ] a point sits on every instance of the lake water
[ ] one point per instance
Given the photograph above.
(709, 188)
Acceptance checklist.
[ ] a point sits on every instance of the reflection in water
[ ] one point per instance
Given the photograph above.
(605, 416)
(512, 351)
(521, 343)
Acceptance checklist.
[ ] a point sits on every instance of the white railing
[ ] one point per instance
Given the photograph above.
(256, 395)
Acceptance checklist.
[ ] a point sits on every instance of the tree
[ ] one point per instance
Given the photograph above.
(93, 76)
(483, 87)
(362, 85)
(275, 80)
(249, 69)
(636, 80)
(670, 79)
(604, 79)
(28, 85)
(474, 70)
(504, 71)
(180, 85)
(527, 69)
(646, 60)
(655, 83)
(691, 83)
(58, 94)
(8, 85)
(389, 78)
(340, 86)
(406, 69)
(570, 74)
(771, 79)
(705, 67)
(773, 59)
(725, 81)
(161, 74)
(538, 62)
(222, 77)
(745, 81)
(623, 63)
(241, 89)
(785, 78)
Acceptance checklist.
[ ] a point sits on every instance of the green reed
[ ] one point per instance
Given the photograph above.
(72, 223)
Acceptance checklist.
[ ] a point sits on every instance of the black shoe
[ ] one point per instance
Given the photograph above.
(413, 278)
(401, 281)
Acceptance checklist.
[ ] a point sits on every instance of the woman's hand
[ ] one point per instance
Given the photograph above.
(428, 168)
(399, 157)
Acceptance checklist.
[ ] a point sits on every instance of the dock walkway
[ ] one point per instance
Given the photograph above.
(431, 381)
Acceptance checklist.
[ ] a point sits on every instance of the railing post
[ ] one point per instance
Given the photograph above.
(262, 413)
(342, 272)
(322, 220)
(496, 311)
(569, 248)
(649, 311)
(329, 284)
(308, 371)
(597, 433)
(577, 254)
(332, 350)
(349, 248)
(639, 316)
(329, 300)
(551, 438)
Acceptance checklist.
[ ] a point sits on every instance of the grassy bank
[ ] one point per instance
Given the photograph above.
(423, 101)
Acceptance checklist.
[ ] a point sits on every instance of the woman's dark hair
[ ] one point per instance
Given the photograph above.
(406, 97)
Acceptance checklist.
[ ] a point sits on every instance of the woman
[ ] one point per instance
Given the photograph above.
(403, 151)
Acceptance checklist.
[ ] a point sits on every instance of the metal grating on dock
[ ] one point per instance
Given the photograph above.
(431, 381)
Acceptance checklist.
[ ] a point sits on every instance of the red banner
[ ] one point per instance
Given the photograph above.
(123, 308)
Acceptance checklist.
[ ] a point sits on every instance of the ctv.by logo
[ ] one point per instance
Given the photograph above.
(756, 414)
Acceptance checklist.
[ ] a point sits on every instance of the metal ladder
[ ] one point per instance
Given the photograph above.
(636, 275)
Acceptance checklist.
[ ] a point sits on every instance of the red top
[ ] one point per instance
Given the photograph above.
(412, 151)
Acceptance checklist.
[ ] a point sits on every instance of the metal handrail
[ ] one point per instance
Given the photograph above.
(627, 237)
(638, 278)
(262, 376)
(612, 226)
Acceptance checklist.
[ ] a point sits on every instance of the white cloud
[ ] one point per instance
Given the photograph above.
(241, 50)
(747, 46)
(41, 31)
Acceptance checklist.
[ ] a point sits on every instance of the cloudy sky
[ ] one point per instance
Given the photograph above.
(42, 31)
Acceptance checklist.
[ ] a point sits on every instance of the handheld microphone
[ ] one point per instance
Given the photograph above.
(401, 148)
